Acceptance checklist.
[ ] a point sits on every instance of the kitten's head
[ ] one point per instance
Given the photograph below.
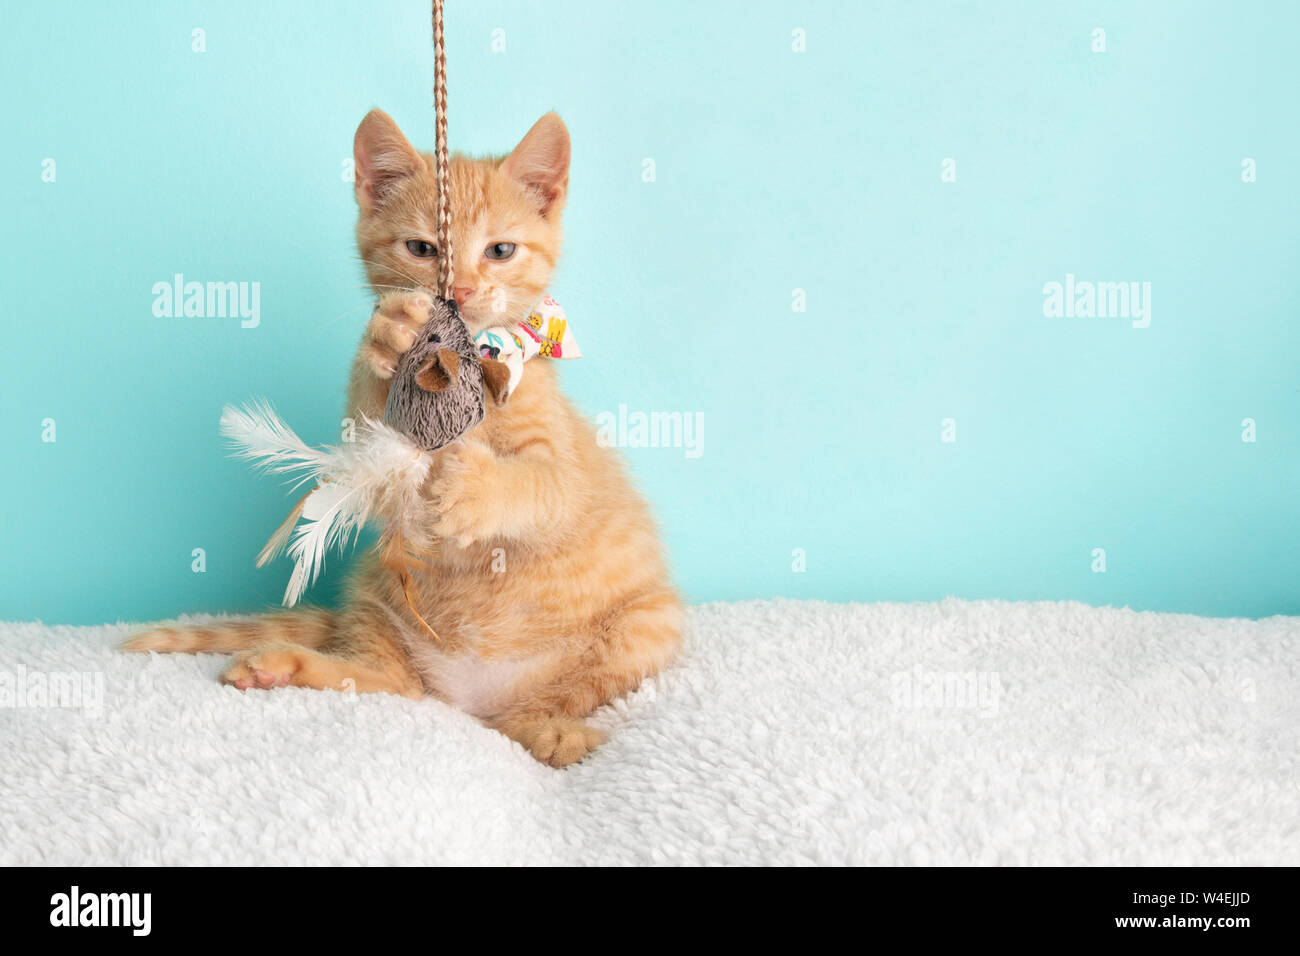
(505, 218)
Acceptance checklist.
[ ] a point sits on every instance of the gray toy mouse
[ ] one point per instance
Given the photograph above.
(437, 392)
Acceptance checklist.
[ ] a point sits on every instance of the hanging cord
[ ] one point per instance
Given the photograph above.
(402, 560)
(440, 160)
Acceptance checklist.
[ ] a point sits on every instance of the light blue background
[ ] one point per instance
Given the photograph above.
(775, 171)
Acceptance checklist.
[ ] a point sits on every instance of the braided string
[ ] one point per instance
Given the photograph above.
(440, 159)
(402, 561)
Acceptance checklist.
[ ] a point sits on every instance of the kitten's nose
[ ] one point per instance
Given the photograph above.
(461, 293)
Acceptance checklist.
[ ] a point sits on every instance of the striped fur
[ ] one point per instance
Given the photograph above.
(307, 627)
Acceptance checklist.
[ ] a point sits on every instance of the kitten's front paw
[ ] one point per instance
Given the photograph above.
(394, 325)
(463, 515)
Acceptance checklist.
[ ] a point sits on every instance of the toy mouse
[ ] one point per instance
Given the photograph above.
(437, 391)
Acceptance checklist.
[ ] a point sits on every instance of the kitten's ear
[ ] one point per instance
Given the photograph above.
(496, 379)
(383, 158)
(541, 162)
(439, 372)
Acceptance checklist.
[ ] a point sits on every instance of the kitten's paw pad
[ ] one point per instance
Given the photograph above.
(262, 670)
(559, 741)
(394, 325)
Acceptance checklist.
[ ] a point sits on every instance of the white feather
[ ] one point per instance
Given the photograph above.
(381, 467)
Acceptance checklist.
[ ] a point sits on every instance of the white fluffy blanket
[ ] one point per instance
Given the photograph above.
(790, 732)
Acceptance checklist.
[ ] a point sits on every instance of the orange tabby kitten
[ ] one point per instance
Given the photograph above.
(546, 586)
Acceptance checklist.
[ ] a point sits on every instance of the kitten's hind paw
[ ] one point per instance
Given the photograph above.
(555, 741)
(262, 669)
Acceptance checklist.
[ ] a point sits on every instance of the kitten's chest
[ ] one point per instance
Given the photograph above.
(535, 408)
(482, 687)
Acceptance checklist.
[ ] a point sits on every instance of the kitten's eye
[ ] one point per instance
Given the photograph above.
(500, 251)
(421, 249)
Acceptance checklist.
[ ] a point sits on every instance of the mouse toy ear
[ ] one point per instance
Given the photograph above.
(439, 371)
(496, 379)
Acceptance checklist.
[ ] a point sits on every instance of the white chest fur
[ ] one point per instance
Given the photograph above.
(478, 686)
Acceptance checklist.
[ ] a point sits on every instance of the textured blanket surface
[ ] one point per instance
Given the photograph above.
(789, 732)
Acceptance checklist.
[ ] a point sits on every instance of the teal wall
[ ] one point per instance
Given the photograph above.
(774, 171)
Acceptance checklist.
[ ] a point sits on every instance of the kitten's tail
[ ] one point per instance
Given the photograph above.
(310, 628)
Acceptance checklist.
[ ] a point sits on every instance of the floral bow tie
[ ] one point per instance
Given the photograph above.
(545, 331)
